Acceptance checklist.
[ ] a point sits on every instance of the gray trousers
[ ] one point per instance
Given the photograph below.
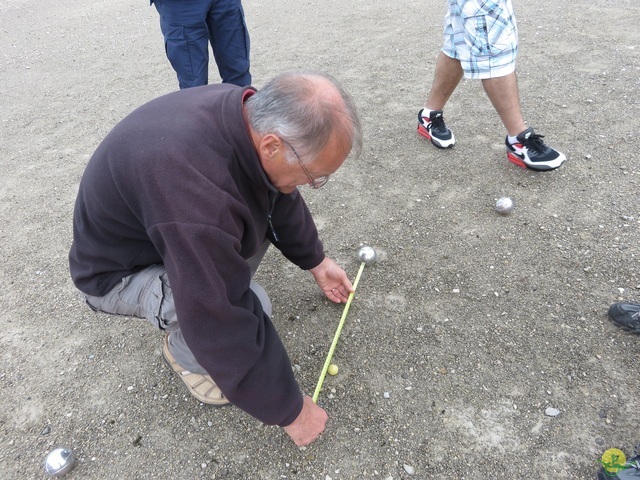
(147, 294)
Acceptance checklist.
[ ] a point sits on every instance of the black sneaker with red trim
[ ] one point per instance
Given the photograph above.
(531, 152)
(433, 128)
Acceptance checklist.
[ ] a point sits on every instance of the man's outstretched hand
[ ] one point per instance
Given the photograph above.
(309, 424)
(332, 280)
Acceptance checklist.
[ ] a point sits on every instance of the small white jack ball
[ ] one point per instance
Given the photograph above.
(333, 369)
(505, 205)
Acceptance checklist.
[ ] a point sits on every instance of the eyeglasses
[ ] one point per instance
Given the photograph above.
(315, 183)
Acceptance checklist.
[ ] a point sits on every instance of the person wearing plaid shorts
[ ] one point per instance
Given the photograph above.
(481, 42)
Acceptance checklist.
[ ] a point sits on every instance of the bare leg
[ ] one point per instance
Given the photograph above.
(503, 93)
(447, 77)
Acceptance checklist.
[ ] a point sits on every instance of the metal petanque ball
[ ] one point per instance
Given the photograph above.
(505, 205)
(367, 255)
(59, 462)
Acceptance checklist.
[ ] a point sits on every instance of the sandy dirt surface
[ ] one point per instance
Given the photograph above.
(468, 327)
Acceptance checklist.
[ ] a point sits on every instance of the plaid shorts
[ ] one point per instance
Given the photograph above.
(483, 35)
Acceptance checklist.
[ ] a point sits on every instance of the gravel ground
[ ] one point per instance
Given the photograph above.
(466, 330)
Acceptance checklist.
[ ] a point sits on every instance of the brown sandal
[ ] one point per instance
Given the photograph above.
(200, 386)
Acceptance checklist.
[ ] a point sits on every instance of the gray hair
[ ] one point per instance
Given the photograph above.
(297, 108)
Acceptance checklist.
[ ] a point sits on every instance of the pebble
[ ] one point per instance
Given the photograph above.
(386, 395)
(409, 469)
(552, 412)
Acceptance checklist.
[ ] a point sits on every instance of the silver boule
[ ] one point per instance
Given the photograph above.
(367, 255)
(59, 462)
(505, 205)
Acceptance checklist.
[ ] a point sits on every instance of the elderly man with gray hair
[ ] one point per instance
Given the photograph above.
(176, 209)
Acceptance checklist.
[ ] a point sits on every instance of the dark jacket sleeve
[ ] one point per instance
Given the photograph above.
(223, 322)
(297, 233)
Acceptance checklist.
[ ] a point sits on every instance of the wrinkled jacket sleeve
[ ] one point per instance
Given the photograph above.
(297, 233)
(223, 322)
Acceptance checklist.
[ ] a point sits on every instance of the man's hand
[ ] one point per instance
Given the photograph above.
(332, 280)
(309, 424)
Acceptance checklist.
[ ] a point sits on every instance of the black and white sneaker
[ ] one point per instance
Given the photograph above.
(626, 316)
(434, 129)
(531, 152)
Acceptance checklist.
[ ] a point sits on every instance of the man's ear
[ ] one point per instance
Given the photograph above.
(270, 145)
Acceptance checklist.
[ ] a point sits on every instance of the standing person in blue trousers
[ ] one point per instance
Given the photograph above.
(189, 25)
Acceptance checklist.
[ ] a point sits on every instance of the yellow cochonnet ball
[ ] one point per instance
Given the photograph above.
(613, 460)
(333, 369)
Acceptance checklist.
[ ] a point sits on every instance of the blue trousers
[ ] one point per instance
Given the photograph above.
(189, 25)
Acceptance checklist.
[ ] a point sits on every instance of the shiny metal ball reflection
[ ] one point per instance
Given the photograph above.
(367, 255)
(59, 462)
(505, 205)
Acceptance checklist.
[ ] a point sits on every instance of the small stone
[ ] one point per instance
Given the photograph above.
(409, 469)
(46, 430)
(386, 395)
(552, 412)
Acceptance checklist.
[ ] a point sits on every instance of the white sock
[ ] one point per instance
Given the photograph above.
(512, 140)
(426, 112)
